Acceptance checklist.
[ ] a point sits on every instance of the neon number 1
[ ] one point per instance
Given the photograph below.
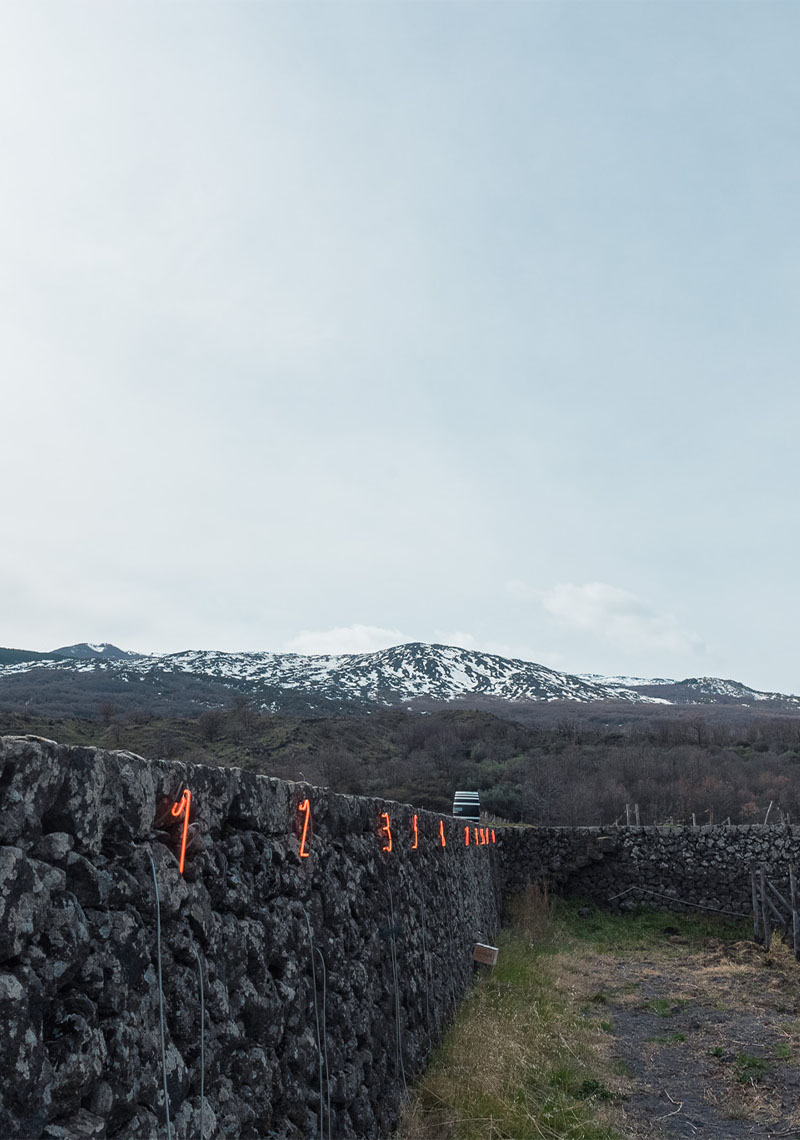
(181, 808)
(305, 809)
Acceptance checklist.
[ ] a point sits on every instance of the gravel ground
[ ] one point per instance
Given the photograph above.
(706, 1041)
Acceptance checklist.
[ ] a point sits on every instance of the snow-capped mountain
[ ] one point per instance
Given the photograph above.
(86, 650)
(396, 676)
(391, 676)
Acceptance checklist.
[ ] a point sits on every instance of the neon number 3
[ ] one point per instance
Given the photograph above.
(386, 829)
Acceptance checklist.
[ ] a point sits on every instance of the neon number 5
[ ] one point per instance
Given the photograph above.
(305, 810)
(182, 808)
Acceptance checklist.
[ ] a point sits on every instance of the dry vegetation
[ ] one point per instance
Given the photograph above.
(570, 770)
(596, 1027)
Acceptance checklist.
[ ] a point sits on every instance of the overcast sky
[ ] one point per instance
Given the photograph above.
(327, 326)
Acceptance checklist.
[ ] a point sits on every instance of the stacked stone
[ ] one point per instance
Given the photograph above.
(390, 936)
(679, 868)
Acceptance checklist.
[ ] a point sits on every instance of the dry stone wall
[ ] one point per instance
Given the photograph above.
(678, 868)
(327, 980)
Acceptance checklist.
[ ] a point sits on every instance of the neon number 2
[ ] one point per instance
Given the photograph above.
(181, 808)
(305, 809)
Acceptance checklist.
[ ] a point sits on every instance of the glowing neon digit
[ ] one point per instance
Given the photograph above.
(386, 829)
(442, 839)
(415, 844)
(305, 809)
(493, 835)
(475, 832)
(466, 837)
(182, 808)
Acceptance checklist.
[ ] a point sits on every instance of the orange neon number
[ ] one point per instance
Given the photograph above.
(466, 836)
(386, 829)
(415, 844)
(305, 808)
(484, 839)
(493, 835)
(182, 808)
(475, 831)
(441, 833)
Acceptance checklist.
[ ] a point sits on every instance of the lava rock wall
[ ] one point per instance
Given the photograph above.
(674, 868)
(327, 980)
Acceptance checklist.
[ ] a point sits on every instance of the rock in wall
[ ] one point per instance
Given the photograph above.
(327, 980)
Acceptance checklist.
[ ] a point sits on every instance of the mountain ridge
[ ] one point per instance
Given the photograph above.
(401, 675)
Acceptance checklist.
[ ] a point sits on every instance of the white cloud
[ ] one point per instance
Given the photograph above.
(618, 616)
(345, 639)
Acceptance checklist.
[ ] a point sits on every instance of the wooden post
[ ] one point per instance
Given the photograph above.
(627, 815)
(769, 809)
(636, 813)
(795, 916)
(765, 910)
(694, 823)
(755, 903)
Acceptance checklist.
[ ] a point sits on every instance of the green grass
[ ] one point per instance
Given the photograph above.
(642, 928)
(664, 1007)
(521, 1061)
(750, 1068)
(516, 1065)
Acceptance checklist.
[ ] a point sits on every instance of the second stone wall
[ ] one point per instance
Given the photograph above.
(680, 868)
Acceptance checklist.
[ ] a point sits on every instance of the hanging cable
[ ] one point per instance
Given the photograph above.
(395, 974)
(427, 971)
(316, 1019)
(683, 902)
(202, 1041)
(325, 1035)
(161, 998)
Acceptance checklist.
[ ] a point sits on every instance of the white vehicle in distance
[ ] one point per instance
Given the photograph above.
(467, 805)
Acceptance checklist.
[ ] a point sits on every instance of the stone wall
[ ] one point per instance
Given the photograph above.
(678, 868)
(327, 980)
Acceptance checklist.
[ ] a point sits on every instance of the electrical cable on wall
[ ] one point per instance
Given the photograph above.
(427, 970)
(319, 1036)
(161, 997)
(395, 974)
(325, 1034)
(202, 1041)
(683, 902)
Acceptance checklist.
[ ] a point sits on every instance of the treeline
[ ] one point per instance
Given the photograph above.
(570, 772)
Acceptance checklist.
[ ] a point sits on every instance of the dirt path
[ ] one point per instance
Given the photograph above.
(706, 1041)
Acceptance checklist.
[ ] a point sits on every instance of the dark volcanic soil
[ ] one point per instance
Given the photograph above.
(708, 1039)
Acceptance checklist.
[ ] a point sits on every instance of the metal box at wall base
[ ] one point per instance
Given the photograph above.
(467, 805)
(484, 955)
